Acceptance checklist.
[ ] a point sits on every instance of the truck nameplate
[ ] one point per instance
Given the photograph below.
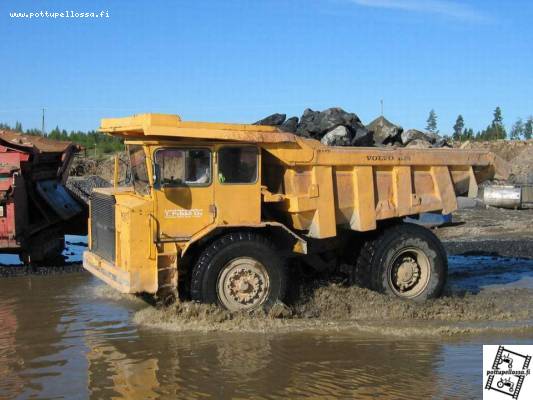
(192, 213)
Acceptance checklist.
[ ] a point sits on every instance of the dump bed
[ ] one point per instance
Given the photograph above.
(322, 187)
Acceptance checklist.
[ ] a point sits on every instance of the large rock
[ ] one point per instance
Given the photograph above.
(272, 120)
(363, 138)
(430, 137)
(308, 125)
(414, 134)
(339, 136)
(441, 142)
(316, 124)
(290, 125)
(384, 131)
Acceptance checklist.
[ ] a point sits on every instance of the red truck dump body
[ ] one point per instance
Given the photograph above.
(34, 204)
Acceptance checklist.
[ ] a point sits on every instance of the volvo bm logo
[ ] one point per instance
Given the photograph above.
(192, 213)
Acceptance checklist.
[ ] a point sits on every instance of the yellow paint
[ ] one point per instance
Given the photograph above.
(311, 188)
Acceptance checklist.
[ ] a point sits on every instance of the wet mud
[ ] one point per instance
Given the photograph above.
(482, 296)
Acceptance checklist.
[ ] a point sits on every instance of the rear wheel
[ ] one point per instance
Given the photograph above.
(407, 261)
(239, 271)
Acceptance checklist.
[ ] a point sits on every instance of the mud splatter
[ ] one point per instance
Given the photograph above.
(335, 307)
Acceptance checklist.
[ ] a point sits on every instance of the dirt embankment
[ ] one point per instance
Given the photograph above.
(519, 154)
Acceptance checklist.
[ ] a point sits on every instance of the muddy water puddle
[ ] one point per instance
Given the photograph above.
(69, 336)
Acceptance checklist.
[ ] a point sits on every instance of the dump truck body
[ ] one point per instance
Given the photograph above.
(195, 182)
(34, 204)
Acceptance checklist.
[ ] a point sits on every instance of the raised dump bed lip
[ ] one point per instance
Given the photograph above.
(170, 125)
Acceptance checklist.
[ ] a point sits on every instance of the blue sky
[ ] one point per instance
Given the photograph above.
(238, 61)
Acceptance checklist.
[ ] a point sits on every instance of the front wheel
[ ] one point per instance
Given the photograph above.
(239, 271)
(407, 261)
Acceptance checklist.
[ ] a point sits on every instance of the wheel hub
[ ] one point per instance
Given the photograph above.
(409, 272)
(243, 283)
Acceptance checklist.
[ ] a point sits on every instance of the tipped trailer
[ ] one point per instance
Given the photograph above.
(36, 210)
(224, 211)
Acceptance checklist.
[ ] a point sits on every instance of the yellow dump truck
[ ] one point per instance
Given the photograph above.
(220, 213)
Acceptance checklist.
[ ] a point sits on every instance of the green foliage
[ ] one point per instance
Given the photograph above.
(458, 128)
(496, 130)
(468, 134)
(517, 130)
(528, 128)
(432, 122)
(94, 141)
(498, 119)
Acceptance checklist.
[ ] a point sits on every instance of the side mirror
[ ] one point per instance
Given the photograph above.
(157, 176)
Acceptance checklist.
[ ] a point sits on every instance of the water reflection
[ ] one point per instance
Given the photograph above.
(262, 366)
(60, 339)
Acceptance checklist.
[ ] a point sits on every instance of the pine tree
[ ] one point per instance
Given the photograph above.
(458, 128)
(517, 130)
(498, 119)
(468, 134)
(18, 127)
(432, 122)
(528, 128)
(496, 129)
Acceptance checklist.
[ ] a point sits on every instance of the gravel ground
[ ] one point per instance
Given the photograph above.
(490, 231)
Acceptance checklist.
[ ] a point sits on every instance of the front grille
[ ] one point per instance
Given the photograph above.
(103, 226)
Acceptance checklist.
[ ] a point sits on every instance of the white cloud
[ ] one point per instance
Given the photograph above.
(442, 7)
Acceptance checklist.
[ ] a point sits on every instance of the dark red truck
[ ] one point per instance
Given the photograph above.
(36, 209)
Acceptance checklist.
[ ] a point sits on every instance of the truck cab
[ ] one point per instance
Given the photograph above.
(222, 211)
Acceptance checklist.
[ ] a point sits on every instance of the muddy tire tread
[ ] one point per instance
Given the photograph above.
(365, 262)
(230, 239)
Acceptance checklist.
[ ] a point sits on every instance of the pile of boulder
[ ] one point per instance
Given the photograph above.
(336, 127)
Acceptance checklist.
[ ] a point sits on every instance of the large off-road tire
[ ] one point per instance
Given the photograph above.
(239, 271)
(405, 260)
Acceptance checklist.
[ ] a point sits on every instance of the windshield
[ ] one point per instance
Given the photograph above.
(139, 172)
(184, 167)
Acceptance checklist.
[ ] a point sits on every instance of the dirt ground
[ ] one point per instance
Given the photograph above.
(490, 231)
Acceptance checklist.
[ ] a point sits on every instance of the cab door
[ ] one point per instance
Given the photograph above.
(183, 187)
(238, 185)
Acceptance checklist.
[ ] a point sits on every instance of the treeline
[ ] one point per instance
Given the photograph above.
(91, 140)
(494, 131)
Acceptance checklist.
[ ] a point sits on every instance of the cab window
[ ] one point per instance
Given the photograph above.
(139, 172)
(183, 167)
(237, 164)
